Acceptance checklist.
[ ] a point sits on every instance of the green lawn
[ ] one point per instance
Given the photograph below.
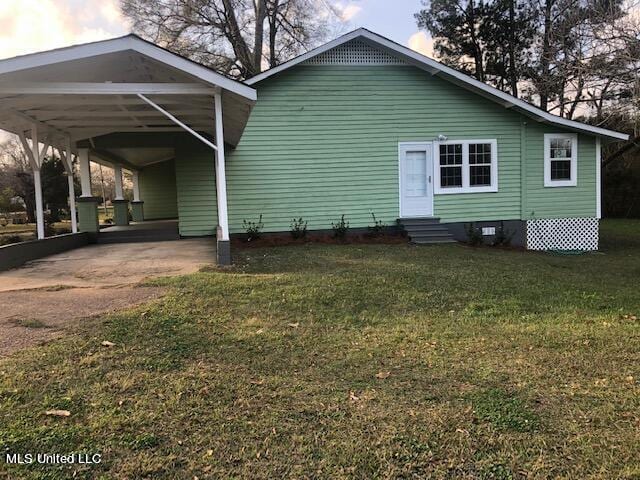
(352, 361)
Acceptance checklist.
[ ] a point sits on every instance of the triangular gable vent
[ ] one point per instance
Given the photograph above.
(355, 52)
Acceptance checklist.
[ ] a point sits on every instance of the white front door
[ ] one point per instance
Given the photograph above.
(416, 182)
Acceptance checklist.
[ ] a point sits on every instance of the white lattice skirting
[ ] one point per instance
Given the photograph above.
(354, 52)
(562, 234)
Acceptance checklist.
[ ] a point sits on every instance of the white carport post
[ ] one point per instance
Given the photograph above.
(120, 205)
(137, 205)
(67, 160)
(36, 155)
(85, 172)
(87, 204)
(222, 233)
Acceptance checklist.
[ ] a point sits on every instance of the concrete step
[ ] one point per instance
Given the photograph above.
(426, 231)
(433, 241)
(137, 236)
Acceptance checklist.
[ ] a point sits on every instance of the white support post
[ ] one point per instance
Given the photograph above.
(36, 156)
(221, 180)
(85, 172)
(135, 178)
(598, 178)
(67, 159)
(117, 171)
(37, 184)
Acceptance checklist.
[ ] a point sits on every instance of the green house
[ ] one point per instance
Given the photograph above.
(358, 127)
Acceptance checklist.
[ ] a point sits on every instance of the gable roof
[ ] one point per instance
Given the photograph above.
(436, 68)
(120, 44)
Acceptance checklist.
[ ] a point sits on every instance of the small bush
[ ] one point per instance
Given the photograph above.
(298, 228)
(340, 229)
(503, 237)
(474, 234)
(253, 229)
(378, 226)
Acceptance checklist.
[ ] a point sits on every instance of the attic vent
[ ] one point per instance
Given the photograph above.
(355, 52)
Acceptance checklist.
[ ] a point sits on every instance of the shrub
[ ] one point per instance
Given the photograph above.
(474, 234)
(503, 237)
(378, 226)
(340, 229)
(298, 228)
(253, 229)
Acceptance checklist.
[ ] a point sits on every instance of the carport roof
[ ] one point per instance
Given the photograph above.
(94, 89)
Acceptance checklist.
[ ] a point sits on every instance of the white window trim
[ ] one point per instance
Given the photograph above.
(466, 187)
(547, 160)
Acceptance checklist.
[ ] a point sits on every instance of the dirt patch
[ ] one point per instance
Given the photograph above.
(32, 317)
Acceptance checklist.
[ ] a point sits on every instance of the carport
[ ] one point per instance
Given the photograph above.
(76, 99)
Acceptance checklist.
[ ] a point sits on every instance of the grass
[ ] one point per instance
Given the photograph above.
(351, 361)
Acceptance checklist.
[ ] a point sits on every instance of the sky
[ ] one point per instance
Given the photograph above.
(29, 26)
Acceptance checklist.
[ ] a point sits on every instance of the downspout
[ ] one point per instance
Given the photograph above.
(524, 214)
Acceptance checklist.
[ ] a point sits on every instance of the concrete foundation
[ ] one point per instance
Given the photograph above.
(516, 229)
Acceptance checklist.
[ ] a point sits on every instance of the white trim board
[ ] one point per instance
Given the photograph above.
(436, 68)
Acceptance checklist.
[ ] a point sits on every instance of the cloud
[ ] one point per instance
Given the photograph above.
(421, 43)
(347, 11)
(33, 25)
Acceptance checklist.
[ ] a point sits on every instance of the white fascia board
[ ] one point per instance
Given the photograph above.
(129, 42)
(436, 68)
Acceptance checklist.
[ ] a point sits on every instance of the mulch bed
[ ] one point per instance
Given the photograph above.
(281, 240)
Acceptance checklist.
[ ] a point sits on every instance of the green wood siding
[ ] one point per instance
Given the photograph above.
(323, 141)
(558, 202)
(158, 190)
(196, 183)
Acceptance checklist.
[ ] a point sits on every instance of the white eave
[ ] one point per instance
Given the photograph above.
(120, 44)
(436, 68)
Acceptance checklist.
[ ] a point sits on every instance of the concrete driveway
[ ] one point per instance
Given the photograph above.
(43, 298)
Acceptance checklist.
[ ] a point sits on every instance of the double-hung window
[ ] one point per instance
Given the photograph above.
(560, 160)
(466, 166)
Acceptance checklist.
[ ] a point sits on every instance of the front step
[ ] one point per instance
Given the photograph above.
(135, 236)
(426, 231)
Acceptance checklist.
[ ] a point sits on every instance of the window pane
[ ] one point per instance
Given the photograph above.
(480, 175)
(416, 174)
(561, 170)
(450, 176)
(480, 153)
(560, 147)
(451, 154)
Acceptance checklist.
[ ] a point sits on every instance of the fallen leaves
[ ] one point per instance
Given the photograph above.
(382, 375)
(58, 413)
(107, 343)
(294, 325)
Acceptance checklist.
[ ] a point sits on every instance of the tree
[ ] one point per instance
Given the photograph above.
(457, 27)
(230, 35)
(16, 173)
(17, 176)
